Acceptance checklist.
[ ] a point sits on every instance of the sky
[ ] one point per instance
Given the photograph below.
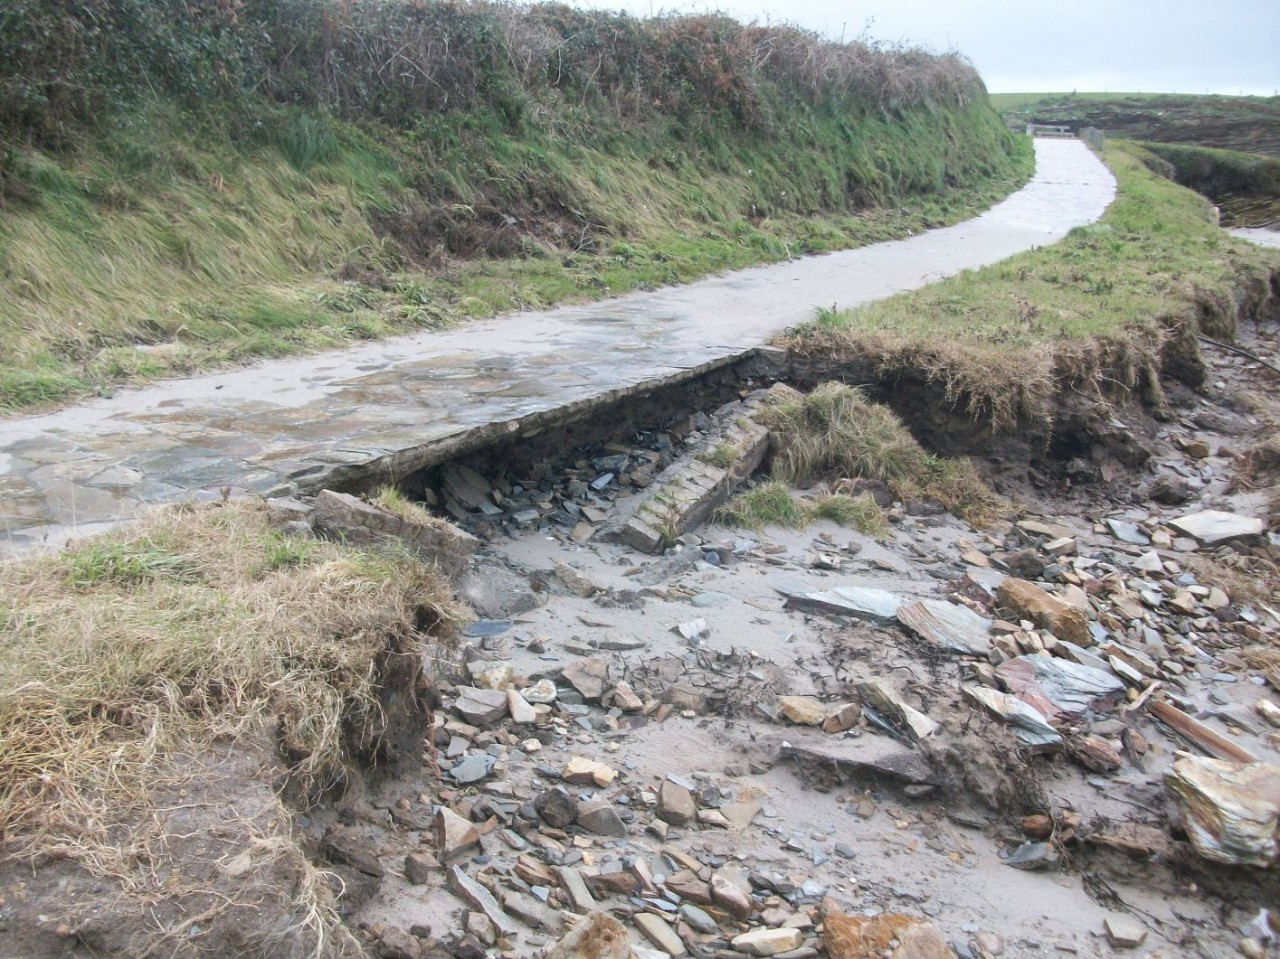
(1033, 46)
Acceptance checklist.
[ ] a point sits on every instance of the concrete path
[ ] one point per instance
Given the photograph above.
(1260, 235)
(290, 423)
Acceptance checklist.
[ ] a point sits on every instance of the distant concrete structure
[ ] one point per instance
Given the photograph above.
(1048, 130)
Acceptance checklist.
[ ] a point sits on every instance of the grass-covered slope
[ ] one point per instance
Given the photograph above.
(185, 185)
(1103, 313)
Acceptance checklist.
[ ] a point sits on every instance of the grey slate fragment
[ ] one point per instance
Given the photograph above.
(480, 898)
(1128, 533)
(1213, 527)
(878, 606)
(953, 627)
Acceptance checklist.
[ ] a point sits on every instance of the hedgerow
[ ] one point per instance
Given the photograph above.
(65, 64)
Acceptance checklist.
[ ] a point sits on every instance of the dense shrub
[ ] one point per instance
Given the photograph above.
(65, 63)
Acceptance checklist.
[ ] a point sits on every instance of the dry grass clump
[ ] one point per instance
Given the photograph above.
(836, 432)
(1259, 465)
(199, 624)
(1246, 579)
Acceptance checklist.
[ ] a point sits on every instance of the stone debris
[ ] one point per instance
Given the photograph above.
(1061, 689)
(1097, 637)
(803, 710)
(886, 936)
(1046, 611)
(879, 699)
(1231, 811)
(660, 933)
(1124, 932)
(454, 835)
(768, 942)
(597, 935)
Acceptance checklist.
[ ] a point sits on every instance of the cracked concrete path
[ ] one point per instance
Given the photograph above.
(289, 424)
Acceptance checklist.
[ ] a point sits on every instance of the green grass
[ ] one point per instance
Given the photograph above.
(859, 512)
(836, 433)
(166, 245)
(1097, 307)
(769, 504)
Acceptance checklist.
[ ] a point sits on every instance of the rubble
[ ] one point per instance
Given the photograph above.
(1211, 528)
(1031, 727)
(701, 779)
(886, 936)
(947, 625)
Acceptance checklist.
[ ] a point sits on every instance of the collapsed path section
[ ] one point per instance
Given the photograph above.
(383, 410)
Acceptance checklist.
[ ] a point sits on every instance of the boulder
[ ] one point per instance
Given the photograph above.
(1029, 601)
(1231, 811)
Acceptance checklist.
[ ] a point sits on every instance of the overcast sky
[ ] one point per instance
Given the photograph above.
(1024, 46)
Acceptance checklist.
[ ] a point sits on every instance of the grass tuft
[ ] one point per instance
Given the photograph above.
(858, 512)
(835, 432)
(769, 504)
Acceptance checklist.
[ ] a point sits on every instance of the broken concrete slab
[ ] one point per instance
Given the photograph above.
(878, 606)
(1058, 688)
(1030, 725)
(684, 495)
(1231, 811)
(947, 625)
(1213, 527)
(435, 540)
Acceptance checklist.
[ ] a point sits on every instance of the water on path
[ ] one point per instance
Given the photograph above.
(283, 422)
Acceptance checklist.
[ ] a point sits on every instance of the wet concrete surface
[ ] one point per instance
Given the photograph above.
(292, 424)
(1260, 235)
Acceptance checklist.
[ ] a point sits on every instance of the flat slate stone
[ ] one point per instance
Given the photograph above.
(953, 627)
(877, 606)
(1213, 527)
(1128, 533)
(1056, 687)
